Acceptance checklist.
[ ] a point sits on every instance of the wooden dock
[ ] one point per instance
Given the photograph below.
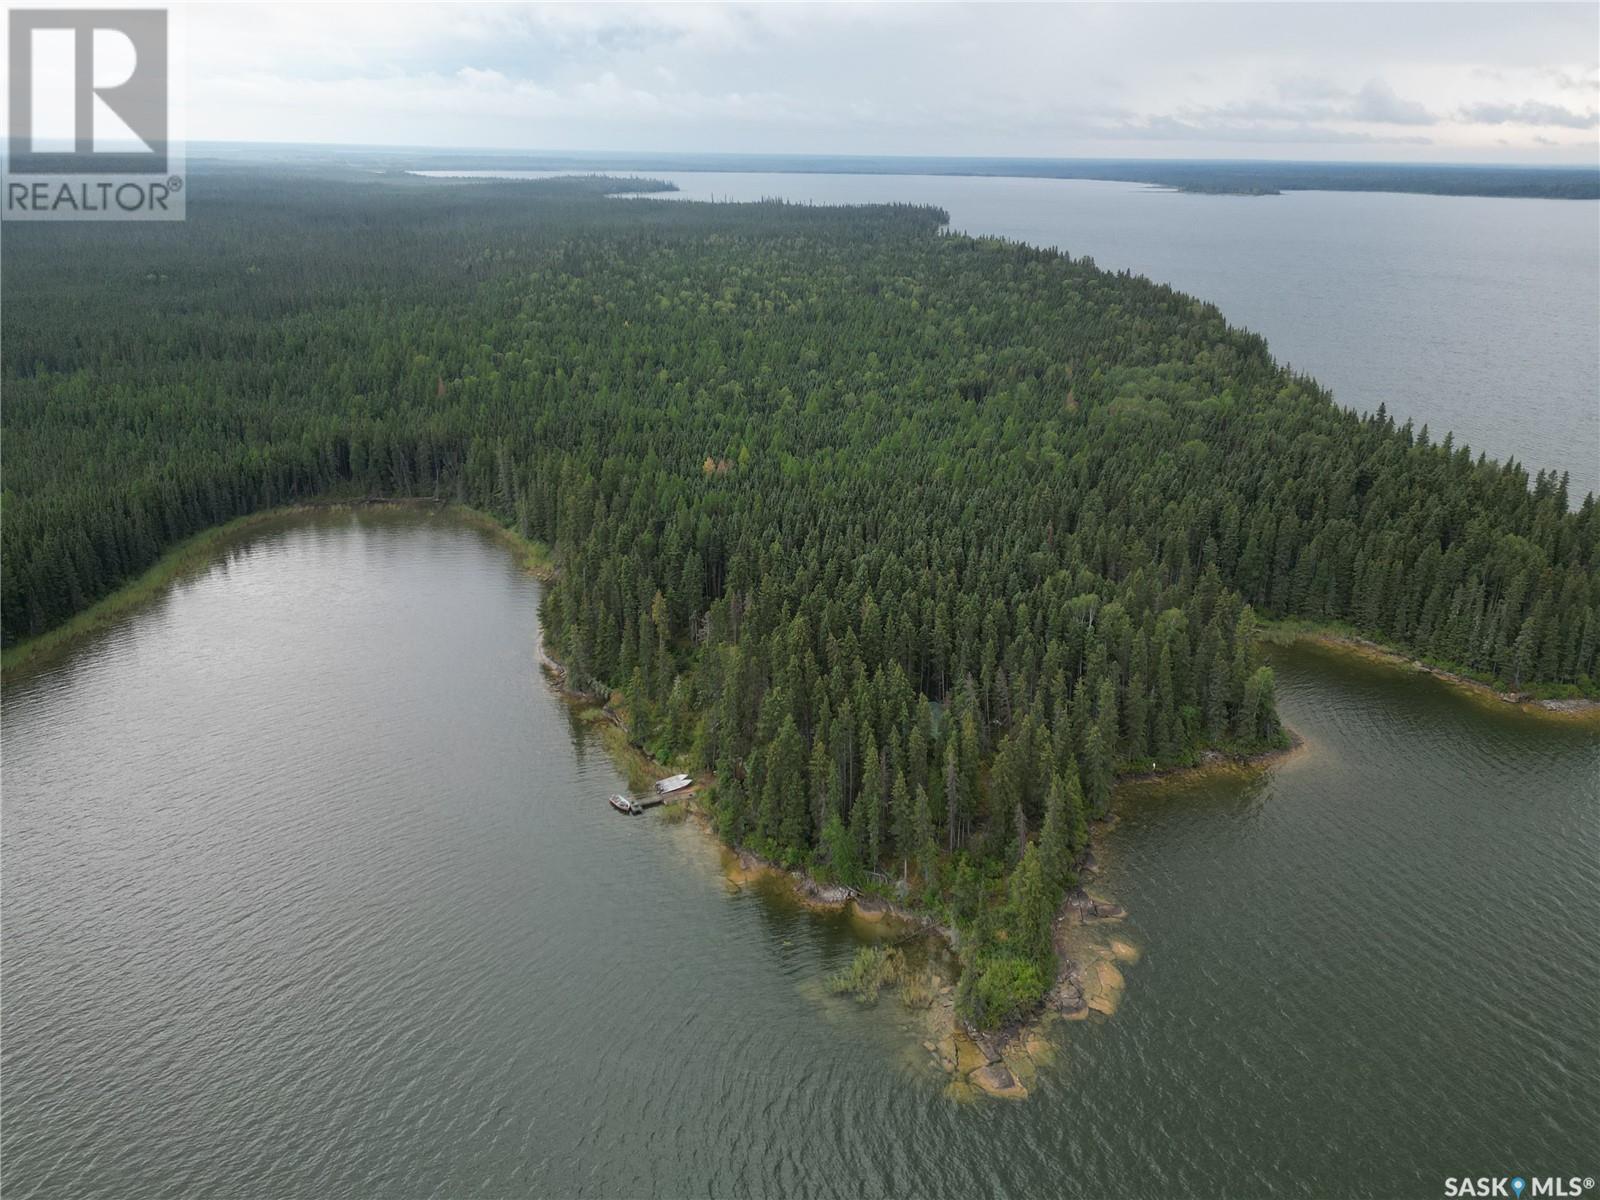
(655, 799)
(664, 792)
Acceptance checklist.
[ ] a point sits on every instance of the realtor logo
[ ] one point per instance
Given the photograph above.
(89, 134)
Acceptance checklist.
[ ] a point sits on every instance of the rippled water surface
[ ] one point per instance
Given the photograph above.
(309, 890)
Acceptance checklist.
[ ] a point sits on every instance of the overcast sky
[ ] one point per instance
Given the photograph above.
(1428, 82)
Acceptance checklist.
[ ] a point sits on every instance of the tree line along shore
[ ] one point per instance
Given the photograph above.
(916, 540)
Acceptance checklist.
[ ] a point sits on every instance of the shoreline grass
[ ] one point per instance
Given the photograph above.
(165, 571)
(532, 556)
(1557, 702)
(200, 549)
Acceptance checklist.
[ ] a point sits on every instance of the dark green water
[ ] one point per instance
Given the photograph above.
(309, 890)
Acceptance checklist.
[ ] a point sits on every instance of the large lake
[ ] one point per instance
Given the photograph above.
(310, 890)
(1476, 315)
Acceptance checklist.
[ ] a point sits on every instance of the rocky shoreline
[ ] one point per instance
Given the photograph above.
(1002, 1063)
(1088, 980)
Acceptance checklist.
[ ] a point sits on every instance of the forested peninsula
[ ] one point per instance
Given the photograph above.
(916, 540)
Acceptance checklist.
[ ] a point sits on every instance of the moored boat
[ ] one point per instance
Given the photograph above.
(624, 805)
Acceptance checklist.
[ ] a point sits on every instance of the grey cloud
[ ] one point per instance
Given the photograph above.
(1377, 103)
(1310, 87)
(1529, 112)
(1588, 82)
(1176, 129)
(1316, 102)
(902, 78)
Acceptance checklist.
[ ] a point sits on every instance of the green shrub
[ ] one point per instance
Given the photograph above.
(1000, 987)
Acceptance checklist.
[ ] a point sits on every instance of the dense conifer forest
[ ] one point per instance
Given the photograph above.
(917, 540)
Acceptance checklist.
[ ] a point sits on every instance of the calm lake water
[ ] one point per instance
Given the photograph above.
(1470, 314)
(310, 890)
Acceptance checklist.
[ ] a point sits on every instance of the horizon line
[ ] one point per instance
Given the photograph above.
(1589, 168)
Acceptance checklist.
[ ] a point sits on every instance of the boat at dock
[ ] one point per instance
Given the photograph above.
(660, 794)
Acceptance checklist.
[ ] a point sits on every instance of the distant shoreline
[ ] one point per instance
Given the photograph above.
(1567, 708)
(1492, 183)
(1252, 177)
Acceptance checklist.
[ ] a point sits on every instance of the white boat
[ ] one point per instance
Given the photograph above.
(676, 783)
(624, 805)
